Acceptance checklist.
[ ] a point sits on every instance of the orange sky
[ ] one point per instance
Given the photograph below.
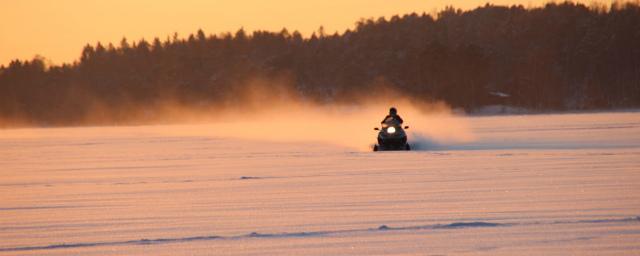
(58, 29)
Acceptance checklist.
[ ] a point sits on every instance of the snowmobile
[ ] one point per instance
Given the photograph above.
(391, 137)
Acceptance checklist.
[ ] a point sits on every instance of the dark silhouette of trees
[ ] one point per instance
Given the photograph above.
(563, 56)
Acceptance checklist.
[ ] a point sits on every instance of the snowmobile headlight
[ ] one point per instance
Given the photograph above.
(391, 130)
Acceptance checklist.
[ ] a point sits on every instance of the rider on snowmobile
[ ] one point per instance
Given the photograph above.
(392, 117)
(392, 135)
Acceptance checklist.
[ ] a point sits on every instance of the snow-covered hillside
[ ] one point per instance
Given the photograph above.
(566, 184)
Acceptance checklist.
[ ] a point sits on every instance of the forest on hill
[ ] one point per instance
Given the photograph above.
(561, 56)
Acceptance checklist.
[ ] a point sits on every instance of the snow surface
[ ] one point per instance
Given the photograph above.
(566, 184)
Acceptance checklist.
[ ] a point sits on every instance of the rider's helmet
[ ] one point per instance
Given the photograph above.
(393, 111)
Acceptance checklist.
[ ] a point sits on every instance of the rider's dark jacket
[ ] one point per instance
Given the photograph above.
(397, 118)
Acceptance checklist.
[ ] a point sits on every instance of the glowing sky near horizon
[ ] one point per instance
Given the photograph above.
(59, 29)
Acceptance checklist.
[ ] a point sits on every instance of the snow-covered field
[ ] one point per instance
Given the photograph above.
(566, 184)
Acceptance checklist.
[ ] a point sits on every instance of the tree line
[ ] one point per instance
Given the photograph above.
(562, 56)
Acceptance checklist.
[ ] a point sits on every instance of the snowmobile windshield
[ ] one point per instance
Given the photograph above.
(390, 121)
